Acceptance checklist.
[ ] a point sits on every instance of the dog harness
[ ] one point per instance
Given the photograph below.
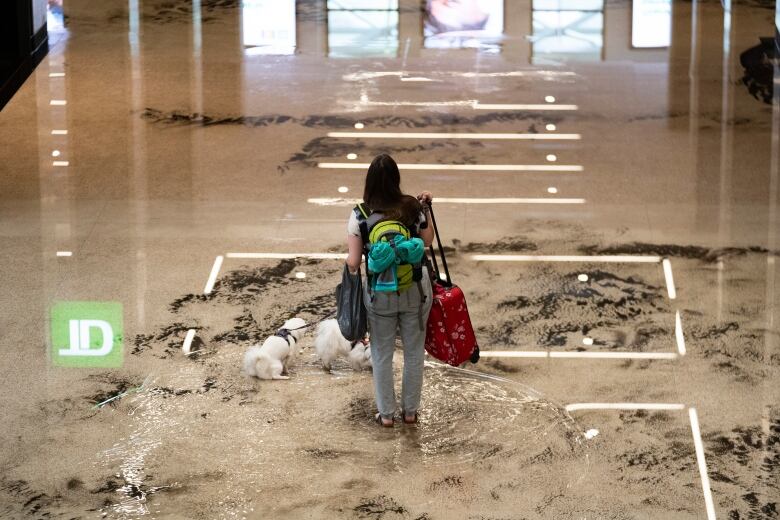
(285, 335)
(353, 343)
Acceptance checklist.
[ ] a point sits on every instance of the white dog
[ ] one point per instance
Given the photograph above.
(330, 344)
(270, 361)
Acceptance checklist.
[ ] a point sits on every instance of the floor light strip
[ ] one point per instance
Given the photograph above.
(457, 135)
(705, 479)
(504, 106)
(575, 355)
(465, 167)
(669, 279)
(185, 348)
(678, 333)
(286, 256)
(455, 200)
(213, 276)
(568, 258)
(623, 406)
(613, 355)
(513, 354)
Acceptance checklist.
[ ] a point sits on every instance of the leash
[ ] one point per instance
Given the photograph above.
(329, 316)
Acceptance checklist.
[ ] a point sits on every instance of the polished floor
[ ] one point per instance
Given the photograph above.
(606, 179)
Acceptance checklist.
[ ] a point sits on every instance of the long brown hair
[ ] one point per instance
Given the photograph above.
(382, 192)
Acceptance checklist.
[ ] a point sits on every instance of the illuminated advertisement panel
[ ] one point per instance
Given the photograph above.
(651, 23)
(453, 24)
(269, 27)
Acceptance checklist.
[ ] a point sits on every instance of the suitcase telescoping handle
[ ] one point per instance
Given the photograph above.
(448, 281)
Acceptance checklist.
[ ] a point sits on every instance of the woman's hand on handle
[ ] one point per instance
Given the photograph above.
(425, 197)
(426, 233)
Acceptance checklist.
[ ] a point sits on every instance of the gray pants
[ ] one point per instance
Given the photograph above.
(388, 314)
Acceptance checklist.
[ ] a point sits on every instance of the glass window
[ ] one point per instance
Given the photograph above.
(383, 5)
(269, 26)
(561, 32)
(651, 23)
(368, 31)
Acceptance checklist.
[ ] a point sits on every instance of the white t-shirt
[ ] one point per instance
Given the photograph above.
(353, 227)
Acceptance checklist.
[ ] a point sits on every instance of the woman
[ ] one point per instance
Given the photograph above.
(406, 309)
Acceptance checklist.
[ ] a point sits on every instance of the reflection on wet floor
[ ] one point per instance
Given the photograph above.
(317, 432)
(607, 184)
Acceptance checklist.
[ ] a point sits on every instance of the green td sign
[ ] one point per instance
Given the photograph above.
(86, 334)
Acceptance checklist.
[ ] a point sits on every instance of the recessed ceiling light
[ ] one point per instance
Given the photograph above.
(55, 153)
(351, 156)
(552, 189)
(552, 157)
(359, 126)
(343, 189)
(587, 341)
(549, 99)
(582, 277)
(300, 275)
(550, 127)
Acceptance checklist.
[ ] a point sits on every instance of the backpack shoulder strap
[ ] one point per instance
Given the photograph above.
(362, 213)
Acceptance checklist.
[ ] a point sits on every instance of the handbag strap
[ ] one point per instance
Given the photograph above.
(448, 281)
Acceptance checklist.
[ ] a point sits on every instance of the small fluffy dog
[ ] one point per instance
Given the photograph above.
(330, 344)
(271, 359)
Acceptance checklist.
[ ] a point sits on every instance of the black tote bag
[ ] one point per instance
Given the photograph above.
(350, 313)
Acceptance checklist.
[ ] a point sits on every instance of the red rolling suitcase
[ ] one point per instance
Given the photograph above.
(449, 336)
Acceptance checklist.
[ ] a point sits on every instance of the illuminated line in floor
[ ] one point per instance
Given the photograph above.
(309, 219)
(362, 76)
(457, 135)
(577, 355)
(520, 106)
(614, 355)
(669, 279)
(623, 406)
(513, 353)
(477, 257)
(64, 253)
(705, 480)
(58, 102)
(465, 167)
(473, 103)
(59, 132)
(567, 258)
(285, 256)
(185, 348)
(459, 103)
(213, 276)
(678, 333)
(455, 200)
(56, 74)
(59, 163)
(416, 79)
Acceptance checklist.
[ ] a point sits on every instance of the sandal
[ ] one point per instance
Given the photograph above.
(381, 422)
(413, 421)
